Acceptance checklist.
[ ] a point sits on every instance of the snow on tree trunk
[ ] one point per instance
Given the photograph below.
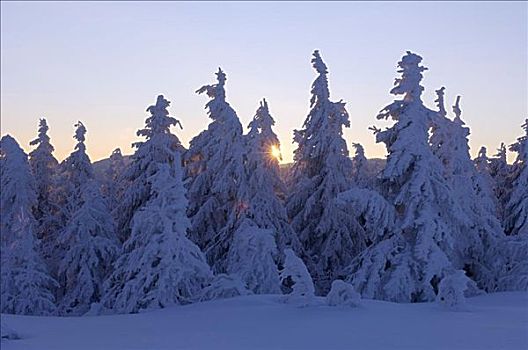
(321, 170)
(158, 148)
(160, 266)
(296, 273)
(25, 282)
(251, 257)
(409, 265)
(216, 177)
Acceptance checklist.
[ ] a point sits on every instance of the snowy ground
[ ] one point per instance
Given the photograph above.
(496, 321)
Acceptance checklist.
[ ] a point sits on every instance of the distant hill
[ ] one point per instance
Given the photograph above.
(102, 165)
(375, 166)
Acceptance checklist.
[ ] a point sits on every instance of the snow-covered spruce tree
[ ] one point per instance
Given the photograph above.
(482, 229)
(160, 266)
(261, 221)
(216, 177)
(25, 282)
(360, 173)
(296, 274)
(500, 171)
(18, 186)
(511, 264)
(409, 265)
(160, 147)
(516, 218)
(512, 253)
(265, 188)
(320, 171)
(74, 172)
(90, 246)
(112, 188)
(44, 166)
(86, 244)
(251, 258)
(482, 164)
(441, 135)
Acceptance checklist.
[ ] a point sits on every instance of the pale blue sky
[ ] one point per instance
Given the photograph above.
(104, 63)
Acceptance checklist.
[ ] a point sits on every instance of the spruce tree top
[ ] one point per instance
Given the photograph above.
(9, 149)
(262, 121)
(215, 91)
(413, 120)
(80, 133)
(116, 154)
(463, 130)
(521, 146)
(501, 153)
(159, 122)
(482, 154)
(321, 135)
(217, 106)
(320, 91)
(360, 151)
(440, 101)
(43, 139)
(457, 110)
(409, 86)
(78, 163)
(409, 83)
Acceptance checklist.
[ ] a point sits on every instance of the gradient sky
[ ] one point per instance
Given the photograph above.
(105, 62)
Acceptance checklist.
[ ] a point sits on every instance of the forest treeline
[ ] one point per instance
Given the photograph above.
(174, 226)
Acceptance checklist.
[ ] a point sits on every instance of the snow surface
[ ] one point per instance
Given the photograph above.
(492, 321)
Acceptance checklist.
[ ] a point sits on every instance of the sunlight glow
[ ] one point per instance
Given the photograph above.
(275, 152)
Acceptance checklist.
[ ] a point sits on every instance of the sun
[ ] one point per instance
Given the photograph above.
(275, 152)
